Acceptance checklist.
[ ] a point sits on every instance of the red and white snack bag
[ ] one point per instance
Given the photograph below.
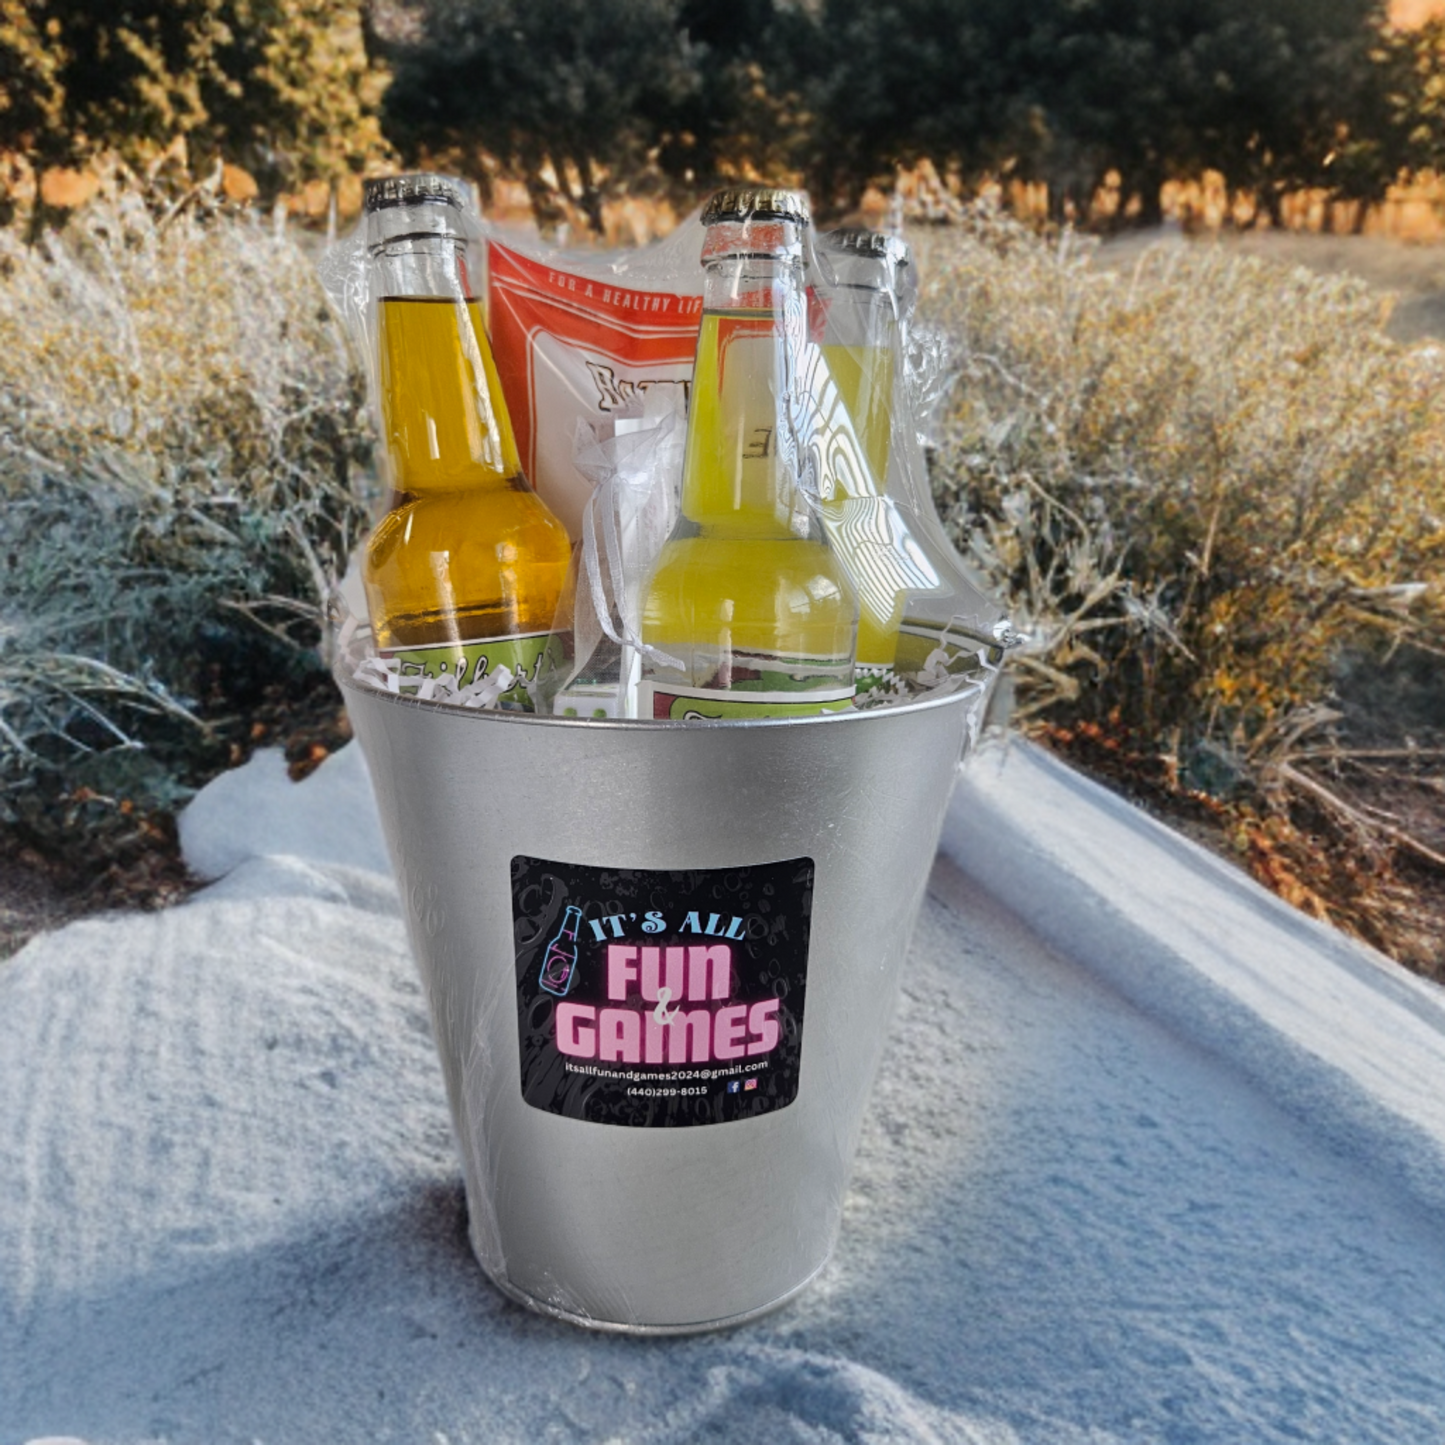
(583, 339)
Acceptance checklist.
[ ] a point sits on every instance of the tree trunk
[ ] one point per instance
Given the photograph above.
(1150, 193)
(1272, 196)
(591, 198)
(1059, 197)
(545, 210)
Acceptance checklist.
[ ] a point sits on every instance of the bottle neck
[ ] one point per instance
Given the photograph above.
(445, 417)
(430, 265)
(753, 283)
(857, 316)
(736, 482)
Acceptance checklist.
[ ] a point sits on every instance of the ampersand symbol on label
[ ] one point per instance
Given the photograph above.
(660, 1013)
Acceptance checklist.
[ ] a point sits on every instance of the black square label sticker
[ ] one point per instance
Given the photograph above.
(656, 999)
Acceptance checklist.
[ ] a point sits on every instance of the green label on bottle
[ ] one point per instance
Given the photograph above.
(530, 657)
(918, 640)
(660, 700)
(874, 676)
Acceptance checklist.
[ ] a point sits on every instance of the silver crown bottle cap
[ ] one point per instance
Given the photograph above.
(756, 203)
(859, 241)
(407, 210)
(418, 189)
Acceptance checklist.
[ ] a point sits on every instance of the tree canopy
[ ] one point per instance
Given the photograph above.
(284, 88)
(585, 97)
(1066, 91)
(573, 87)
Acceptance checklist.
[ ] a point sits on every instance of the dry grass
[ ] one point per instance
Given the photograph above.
(1202, 480)
(187, 362)
(181, 434)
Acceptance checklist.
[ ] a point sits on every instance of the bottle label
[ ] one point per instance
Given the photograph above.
(662, 701)
(875, 677)
(529, 656)
(652, 999)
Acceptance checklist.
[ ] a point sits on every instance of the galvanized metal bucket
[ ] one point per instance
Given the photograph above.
(624, 1169)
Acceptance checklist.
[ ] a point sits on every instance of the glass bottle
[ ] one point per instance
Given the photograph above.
(857, 327)
(854, 322)
(748, 610)
(464, 572)
(920, 608)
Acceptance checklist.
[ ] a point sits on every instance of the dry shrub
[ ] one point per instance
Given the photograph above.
(181, 429)
(1200, 482)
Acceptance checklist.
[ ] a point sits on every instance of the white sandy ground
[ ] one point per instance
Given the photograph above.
(1173, 1175)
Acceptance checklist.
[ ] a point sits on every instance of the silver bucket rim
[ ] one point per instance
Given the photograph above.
(965, 693)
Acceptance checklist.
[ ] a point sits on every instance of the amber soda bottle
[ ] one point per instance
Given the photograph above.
(464, 572)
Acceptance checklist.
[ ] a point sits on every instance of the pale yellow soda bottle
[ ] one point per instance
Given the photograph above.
(464, 573)
(855, 326)
(922, 614)
(747, 598)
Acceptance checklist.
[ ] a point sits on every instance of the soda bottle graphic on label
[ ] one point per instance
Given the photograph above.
(560, 961)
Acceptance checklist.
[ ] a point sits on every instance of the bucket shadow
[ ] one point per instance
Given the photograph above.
(383, 1326)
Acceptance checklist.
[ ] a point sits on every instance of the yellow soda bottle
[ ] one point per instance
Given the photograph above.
(748, 612)
(464, 572)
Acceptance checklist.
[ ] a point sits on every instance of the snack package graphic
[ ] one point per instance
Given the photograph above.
(572, 345)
